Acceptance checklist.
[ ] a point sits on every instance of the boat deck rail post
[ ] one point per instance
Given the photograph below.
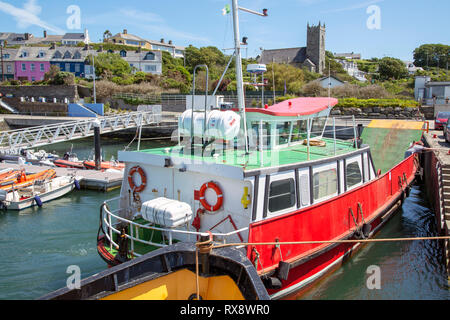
(193, 102)
(334, 134)
(354, 132)
(308, 136)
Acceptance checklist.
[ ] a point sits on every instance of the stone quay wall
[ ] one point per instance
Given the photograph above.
(48, 92)
(383, 112)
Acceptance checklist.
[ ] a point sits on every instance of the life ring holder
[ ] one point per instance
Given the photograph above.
(202, 199)
(143, 184)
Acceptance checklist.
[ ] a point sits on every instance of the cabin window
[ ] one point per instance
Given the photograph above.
(353, 173)
(265, 134)
(283, 130)
(304, 189)
(317, 126)
(281, 195)
(325, 184)
(299, 131)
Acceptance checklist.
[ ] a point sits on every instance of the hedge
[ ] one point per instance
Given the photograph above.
(370, 103)
(367, 103)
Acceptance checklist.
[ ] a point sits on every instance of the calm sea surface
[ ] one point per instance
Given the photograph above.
(37, 245)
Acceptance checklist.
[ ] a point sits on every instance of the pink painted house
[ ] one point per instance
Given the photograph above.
(32, 63)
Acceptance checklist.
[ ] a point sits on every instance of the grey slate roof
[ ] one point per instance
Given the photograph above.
(33, 54)
(12, 54)
(129, 36)
(14, 38)
(289, 55)
(71, 36)
(46, 40)
(69, 54)
(133, 56)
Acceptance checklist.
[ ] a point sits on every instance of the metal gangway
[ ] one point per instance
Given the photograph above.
(11, 142)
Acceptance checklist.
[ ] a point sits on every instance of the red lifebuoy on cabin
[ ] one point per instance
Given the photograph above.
(141, 172)
(218, 192)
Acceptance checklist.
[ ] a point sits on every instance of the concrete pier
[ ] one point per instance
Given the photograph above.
(92, 180)
(436, 176)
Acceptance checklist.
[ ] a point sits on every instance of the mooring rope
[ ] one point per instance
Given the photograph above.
(329, 241)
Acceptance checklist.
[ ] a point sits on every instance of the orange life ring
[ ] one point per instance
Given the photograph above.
(141, 172)
(218, 192)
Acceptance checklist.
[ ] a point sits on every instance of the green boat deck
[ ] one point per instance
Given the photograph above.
(389, 139)
(262, 159)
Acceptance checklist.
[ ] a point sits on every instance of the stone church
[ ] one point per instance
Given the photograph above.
(311, 57)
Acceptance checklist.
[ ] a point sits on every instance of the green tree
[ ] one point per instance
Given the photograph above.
(110, 64)
(432, 55)
(392, 68)
(284, 73)
(107, 34)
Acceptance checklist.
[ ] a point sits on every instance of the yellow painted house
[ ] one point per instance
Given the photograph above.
(127, 39)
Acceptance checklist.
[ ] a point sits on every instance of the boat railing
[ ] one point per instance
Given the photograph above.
(112, 221)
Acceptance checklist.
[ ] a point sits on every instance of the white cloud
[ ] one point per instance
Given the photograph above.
(141, 16)
(142, 20)
(28, 15)
(355, 6)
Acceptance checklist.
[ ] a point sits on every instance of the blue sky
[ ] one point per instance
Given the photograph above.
(404, 25)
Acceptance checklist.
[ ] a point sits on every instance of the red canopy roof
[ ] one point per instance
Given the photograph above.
(297, 107)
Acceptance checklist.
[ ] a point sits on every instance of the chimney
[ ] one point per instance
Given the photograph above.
(170, 41)
(162, 40)
(125, 31)
(45, 33)
(27, 36)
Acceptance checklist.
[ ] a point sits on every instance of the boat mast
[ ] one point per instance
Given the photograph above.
(239, 74)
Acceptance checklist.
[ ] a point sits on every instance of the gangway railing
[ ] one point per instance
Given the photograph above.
(6, 106)
(14, 140)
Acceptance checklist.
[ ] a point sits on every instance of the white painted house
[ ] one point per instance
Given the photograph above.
(145, 61)
(351, 67)
(331, 81)
(72, 39)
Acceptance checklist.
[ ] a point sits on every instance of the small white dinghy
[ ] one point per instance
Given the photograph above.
(38, 193)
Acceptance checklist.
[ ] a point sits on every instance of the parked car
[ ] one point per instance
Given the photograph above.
(441, 120)
(447, 131)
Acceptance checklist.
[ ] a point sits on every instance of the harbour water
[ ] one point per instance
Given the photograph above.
(38, 245)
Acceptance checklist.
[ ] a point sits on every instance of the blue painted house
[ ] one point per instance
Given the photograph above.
(70, 59)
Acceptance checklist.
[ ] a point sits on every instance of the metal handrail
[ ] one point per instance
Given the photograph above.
(110, 229)
(65, 131)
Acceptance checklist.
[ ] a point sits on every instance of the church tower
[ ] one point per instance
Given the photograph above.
(315, 46)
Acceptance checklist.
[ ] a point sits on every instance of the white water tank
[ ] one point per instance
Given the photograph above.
(219, 124)
(167, 213)
(256, 68)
